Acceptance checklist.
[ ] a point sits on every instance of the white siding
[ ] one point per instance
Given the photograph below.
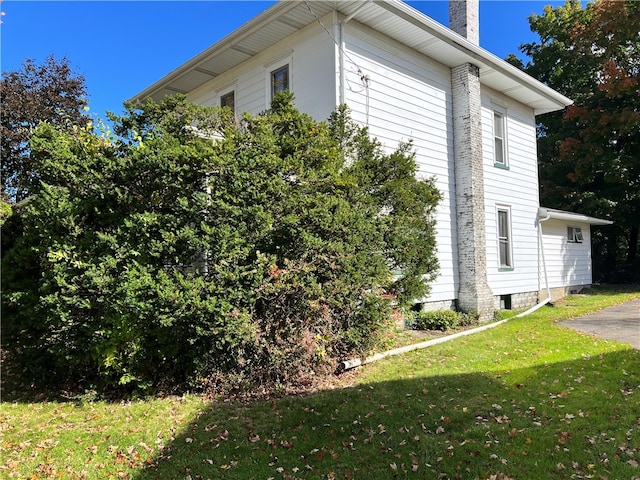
(515, 187)
(568, 264)
(311, 54)
(402, 95)
(408, 97)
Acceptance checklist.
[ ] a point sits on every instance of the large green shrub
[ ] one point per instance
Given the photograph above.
(189, 246)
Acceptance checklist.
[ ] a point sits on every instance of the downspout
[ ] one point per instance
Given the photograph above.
(543, 212)
(341, 27)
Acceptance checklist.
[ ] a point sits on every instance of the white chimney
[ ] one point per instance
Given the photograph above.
(464, 18)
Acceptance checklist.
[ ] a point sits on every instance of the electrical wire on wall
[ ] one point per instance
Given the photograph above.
(365, 80)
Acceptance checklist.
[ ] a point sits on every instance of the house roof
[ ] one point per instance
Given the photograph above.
(393, 18)
(571, 217)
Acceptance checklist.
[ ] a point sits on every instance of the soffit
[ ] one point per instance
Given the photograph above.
(389, 17)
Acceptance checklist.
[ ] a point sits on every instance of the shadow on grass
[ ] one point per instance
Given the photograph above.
(611, 289)
(570, 419)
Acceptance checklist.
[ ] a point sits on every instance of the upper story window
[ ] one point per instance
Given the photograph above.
(504, 239)
(279, 80)
(229, 100)
(499, 139)
(574, 235)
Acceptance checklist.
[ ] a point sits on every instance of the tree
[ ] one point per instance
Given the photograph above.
(194, 248)
(588, 154)
(50, 92)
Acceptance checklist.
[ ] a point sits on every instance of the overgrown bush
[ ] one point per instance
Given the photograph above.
(188, 247)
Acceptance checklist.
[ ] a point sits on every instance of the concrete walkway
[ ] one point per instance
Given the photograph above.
(620, 323)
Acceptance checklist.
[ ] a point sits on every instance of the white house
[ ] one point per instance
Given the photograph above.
(471, 117)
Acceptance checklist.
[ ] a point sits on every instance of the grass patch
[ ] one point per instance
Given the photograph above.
(528, 399)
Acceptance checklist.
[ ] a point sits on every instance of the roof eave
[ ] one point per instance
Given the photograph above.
(480, 55)
(253, 25)
(546, 99)
(572, 217)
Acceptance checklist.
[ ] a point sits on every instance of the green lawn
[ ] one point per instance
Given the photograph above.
(526, 400)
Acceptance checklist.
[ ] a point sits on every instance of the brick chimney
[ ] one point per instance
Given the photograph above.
(474, 293)
(464, 18)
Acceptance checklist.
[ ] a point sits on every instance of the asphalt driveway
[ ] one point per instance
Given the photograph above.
(620, 323)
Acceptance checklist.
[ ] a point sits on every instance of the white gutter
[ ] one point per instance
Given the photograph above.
(571, 217)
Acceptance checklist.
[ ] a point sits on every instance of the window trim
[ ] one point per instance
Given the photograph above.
(502, 113)
(508, 265)
(574, 234)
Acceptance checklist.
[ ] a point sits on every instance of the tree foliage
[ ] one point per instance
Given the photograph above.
(588, 154)
(49, 92)
(189, 247)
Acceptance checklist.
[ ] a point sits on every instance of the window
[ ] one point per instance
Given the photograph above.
(279, 80)
(229, 100)
(504, 238)
(500, 149)
(574, 235)
(505, 302)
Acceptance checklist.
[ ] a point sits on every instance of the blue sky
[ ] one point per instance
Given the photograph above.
(122, 47)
